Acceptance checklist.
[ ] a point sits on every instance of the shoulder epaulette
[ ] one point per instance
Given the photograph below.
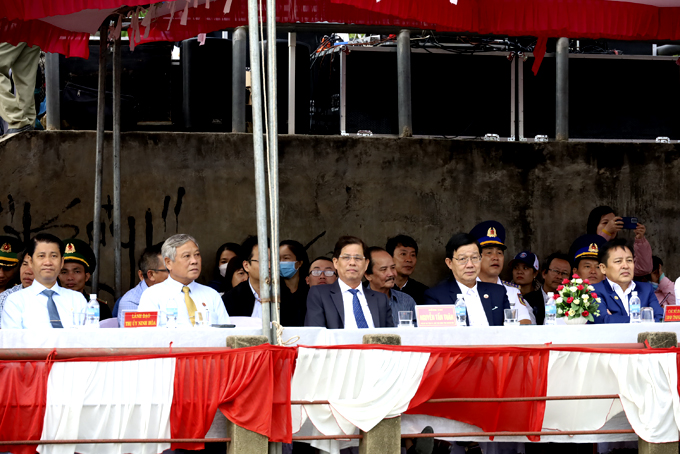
(509, 284)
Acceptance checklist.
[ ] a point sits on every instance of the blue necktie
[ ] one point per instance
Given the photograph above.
(52, 309)
(358, 313)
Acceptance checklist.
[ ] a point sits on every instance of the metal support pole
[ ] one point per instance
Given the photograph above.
(258, 155)
(343, 93)
(99, 160)
(520, 95)
(52, 91)
(562, 90)
(292, 42)
(404, 83)
(513, 98)
(238, 81)
(272, 118)
(117, 262)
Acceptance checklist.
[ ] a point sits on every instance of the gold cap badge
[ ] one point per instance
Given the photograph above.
(593, 248)
(491, 232)
(70, 248)
(6, 247)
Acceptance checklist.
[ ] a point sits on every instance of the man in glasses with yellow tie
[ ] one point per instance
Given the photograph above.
(182, 258)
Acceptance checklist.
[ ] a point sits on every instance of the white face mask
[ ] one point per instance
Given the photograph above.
(223, 269)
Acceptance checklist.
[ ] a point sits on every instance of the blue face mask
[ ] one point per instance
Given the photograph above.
(655, 285)
(287, 269)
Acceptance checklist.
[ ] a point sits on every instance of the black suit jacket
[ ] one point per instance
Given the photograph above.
(497, 301)
(240, 302)
(326, 308)
(535, 300)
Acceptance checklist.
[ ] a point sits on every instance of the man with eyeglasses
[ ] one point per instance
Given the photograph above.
(485, 302)
(321, 271)
(151, 271)
(491, 237)
(346, 303)
(556, 268)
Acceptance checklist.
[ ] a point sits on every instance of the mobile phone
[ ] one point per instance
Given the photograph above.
(629, 222)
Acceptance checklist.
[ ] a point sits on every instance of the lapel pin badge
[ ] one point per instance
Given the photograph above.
(486, 296)
(616, 297)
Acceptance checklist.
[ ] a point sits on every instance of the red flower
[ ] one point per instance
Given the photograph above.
(566, 281)
(555, 296)
(594, 295)
(570, 299)
(586, 281)
(580, 287)
(585, 313)
(559, 289)
(575, 276)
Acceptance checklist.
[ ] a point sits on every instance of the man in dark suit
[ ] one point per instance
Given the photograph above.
(617, 264)
(485, 302)
(555, 268)
(346, 303)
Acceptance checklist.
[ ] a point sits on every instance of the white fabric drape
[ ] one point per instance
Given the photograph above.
(362, 386)
(109, 400)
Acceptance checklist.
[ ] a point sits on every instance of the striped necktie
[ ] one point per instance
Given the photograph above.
(52, 309)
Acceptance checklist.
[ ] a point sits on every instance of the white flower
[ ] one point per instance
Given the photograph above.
(599, 300)
(573, 289)
(591, 288)
(571, 312)
(579, 281)
(559, 300)
(560, 311)
(585, 298)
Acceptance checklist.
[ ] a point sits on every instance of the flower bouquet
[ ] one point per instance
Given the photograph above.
(576, 300)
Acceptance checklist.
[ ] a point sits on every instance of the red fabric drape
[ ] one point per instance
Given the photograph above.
(36, 9)
(251, 386)
(23, 398)
(46, 36)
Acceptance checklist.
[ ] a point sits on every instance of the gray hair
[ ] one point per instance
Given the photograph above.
(169, 249)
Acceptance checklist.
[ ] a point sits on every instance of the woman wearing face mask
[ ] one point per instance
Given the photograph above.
(663, 287)
(293, 266)
(222, 258)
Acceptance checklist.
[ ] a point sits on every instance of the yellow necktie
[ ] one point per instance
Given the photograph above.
(191, 306)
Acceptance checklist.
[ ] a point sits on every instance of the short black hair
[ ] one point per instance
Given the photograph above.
(44, 238)
(247, 247)
(555, 255)
(403, 240)
(149, 258)
(459, 240)
(234, 265)
(20, 257)
(322, 257)
(346, 241)
(656, 262)
(595, 216)
(297, 249)
(233, 247)
(369, 256)
(617, 243)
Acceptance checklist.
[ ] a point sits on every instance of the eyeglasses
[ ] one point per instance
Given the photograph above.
(559, 273)
(163, 270)
(463, 260)
(348, 258)
(317, 273)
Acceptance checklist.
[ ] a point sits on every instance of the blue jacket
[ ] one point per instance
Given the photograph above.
(447, 291)
(612, 302)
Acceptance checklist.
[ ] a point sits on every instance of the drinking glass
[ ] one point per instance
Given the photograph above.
(405, 319)
(647, 315)
(78, 319)
(202, 319)
(510, 317)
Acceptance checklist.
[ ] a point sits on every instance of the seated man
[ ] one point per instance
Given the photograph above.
(79, 264)
(44, 304)
(25, 280)
(151, 271)
(380, 274)
(183, 261)
(485, 302)
(583, 253)
(345, 303)
(321, 271)
(404, 251)
(618, 265)
(556, 268)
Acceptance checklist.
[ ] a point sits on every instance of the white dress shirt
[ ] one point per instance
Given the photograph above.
(623, 295)
(156, 297)
(257, 307)
(475, 310)
(27, 308)
(348, 304)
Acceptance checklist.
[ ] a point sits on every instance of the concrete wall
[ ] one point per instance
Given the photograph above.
(203, 184)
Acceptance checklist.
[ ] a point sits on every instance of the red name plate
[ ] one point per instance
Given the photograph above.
(140, 319)
(672, 314)
(436, 316)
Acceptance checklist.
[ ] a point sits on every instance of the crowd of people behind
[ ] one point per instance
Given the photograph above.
(358, 287)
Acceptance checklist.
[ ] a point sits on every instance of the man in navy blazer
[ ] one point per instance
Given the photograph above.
(615, 290)
(485, 302)
(346, 303)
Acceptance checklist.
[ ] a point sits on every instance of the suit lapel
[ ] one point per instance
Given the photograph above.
(487, 304)
(336, 296)
(372, 302)
(614, 297)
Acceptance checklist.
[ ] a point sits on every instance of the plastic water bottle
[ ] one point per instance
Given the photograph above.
(461, 311)
(634, 305)
(171, 313)
(550, 310)
(92, 312)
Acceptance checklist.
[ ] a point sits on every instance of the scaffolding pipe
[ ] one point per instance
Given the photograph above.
(292, 45)
(238, 81)
(273, 136)
(117, 260)
(562, 91)
(99, 159)
(258, 158)
(52, 91)
(404, 83)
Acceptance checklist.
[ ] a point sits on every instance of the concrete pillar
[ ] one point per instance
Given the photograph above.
(244, 441)
(404, 83)
(658, 340)
(238, 81)
(385, 438)
(52, 91)
(562, 90)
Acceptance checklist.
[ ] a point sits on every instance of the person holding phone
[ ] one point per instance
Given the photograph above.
(603, 221)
